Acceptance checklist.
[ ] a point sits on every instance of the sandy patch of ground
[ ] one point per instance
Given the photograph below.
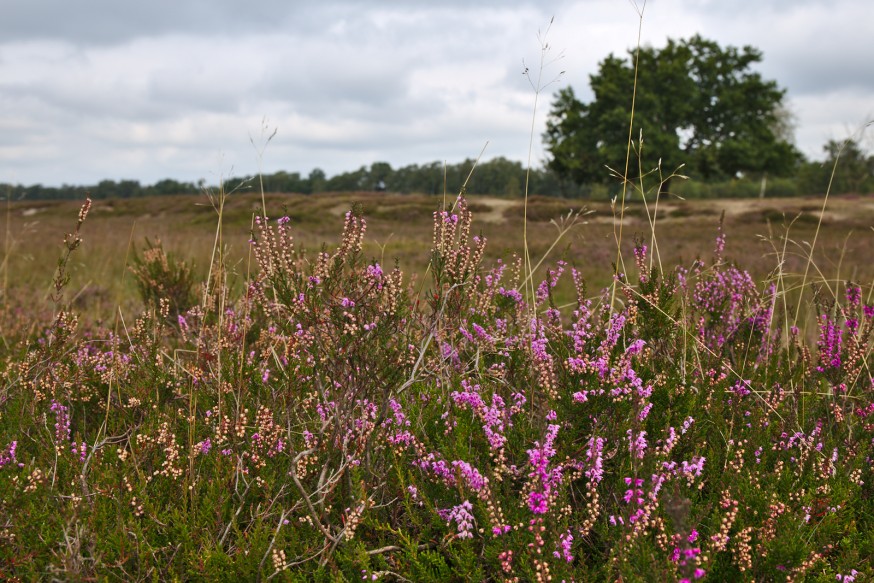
(497, 206)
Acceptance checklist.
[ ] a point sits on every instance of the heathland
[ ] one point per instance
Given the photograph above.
(383, 387)
(399, 229)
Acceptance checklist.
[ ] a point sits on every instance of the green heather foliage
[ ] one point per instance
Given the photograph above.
(340, 422)
(162, 277)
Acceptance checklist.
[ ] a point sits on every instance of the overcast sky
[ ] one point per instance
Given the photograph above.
(191, 89)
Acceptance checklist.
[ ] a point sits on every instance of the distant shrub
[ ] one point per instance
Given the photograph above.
(160, 276)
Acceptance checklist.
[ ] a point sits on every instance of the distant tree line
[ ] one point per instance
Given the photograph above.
(498, 177)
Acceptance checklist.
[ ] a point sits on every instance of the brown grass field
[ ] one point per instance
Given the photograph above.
(400, 228)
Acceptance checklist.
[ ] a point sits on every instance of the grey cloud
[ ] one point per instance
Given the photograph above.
(113, 22)
(115, 89)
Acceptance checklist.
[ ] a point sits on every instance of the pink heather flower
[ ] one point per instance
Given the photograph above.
(474, 480)
(644, 413)
(204, 446)
(640, 255)
(686, 425)
(635, 347)
(500, 530)
(9, 456)
(537, 503)
(693, 536)
(580, 397)
(829, 344)
(565, 541)
(62, 422)
(539, 458)
(854, 295)
(462, 515)
(283, 220)
(79, 449)
(374, 271)
(637, 444)
(595, 473)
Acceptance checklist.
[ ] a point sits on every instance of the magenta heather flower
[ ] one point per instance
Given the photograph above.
(492, 416)
(640, 259)
(580, 396)
(635, 493)
(537, 503)
(9, 456)
(62, 422)
(686, 425)
(635, 347)
(80, 449)
(854, 295)
(462, 515)
(595, 473)
(543, 479)
(565, 541)
(414, 495)
(617, 322)
(693, 536)
(474, 480)
(829, 344)
(637, 444)
(512, 294)
(374, 271)
(644, 413)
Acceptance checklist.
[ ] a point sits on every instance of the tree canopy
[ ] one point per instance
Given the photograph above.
(696, 103)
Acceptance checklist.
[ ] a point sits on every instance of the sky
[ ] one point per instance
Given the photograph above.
(194, 89)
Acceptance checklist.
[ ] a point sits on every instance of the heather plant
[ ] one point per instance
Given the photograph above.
(160, 276)
(338, 421)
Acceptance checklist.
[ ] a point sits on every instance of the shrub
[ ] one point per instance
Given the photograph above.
(163, 277)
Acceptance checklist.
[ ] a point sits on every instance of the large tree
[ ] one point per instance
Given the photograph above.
(696, 104)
